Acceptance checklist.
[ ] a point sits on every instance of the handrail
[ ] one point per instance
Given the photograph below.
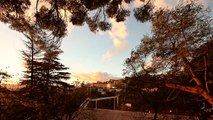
(103, 98)
(85, 101)
(80, 108)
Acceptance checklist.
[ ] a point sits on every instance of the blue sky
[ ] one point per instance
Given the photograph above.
(101, 53)
(90, 56)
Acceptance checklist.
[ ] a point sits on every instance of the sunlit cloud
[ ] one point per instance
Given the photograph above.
(118, 30)
(93, 76)
(125, 5)
(119, 44)
(107, 55)
(118, 34)
(167, 3)
(172, 3)
(137, 3)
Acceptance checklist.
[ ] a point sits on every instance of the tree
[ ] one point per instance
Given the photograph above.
(43, 78)
(30, 58)
(146, 93)
(180, 37)
(54, 15)
(52, 71)
(43, 68)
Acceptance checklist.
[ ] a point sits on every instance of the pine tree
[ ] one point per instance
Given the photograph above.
(31, 61)
(52, 70)
(43, 69)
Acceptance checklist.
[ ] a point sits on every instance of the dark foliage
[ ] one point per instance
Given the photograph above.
(14, 105)
(144, 13)
(54, 18)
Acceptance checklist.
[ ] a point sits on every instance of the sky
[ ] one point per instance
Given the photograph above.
(90, 56)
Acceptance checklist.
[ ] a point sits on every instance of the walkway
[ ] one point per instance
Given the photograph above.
(103, 114)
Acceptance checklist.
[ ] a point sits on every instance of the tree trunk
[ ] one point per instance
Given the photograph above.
(195, 90)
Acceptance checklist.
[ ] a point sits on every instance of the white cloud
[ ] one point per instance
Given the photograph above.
(93, 76)
(118, 34)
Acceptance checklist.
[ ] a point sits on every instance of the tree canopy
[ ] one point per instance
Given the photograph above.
(54, 15)
(179, 45)
(43, 68)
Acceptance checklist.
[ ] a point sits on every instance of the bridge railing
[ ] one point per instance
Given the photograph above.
(106, 98)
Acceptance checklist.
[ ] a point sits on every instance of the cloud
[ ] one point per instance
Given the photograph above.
(125, 5)
(118, 30)
(137, 3)
(107, 55)
(166, 3)
(93, 76)
(172, 3)
(157, 3)
(118, 34)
